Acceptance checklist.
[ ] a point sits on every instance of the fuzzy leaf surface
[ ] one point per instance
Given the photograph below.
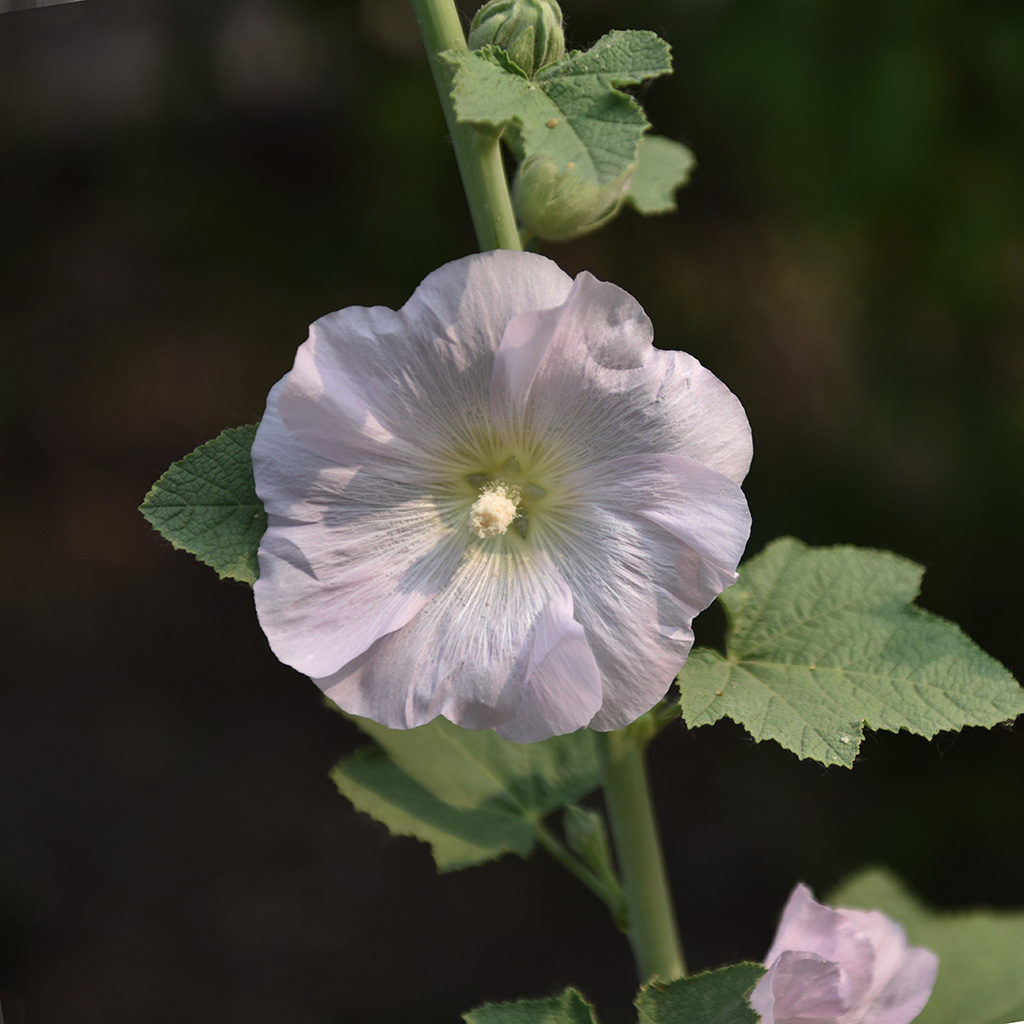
(568, 1008)
(715, 997)
(663, 166)
(573, 110)
(823, 641)
(470, 794)
(206, 504)
(981, 952)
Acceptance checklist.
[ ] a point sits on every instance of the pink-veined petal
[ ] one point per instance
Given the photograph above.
(402, 391)
(498, 648)
(584, 379)
(653, 540)
(347, 557)
(560, 680)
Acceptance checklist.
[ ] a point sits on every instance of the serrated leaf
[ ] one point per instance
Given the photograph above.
(470, 794)
(981, 952)
(568, 1008)
(715, 997)
(206, 504)
(823, 641)
(572, 111)
(662, 167)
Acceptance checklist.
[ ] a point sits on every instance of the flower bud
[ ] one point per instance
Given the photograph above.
(556, 205)
(530, 31)
(587, 836)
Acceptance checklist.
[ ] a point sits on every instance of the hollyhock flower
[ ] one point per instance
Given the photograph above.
(841, 967)
(499, 504)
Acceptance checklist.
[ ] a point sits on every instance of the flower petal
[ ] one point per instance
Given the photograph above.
(811, 927)
(398, 389)
(907, 992)
(651, 541)
(805, 924)
(902, 978)
(496, 649)
(560, 680)
(584, 378)
(346, 558)
(799, 987)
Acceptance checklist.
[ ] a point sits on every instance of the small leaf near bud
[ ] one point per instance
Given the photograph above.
(529, 31)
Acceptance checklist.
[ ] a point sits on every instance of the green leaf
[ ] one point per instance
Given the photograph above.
(469, 794)
(823, 641)
(662, 167)
(568, 1008)
(715, 997)
(981, 952)
(572, 111)
(206, 504)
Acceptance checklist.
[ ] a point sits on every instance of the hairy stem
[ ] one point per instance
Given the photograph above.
(650, 917)
(477, 152)
(606, 889)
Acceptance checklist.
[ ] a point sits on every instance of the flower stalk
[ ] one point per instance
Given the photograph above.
(650, 918)
(477, 152)
(605, 888)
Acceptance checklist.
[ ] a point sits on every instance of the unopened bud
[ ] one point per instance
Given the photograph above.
(529, 31)
(556, 205)
(586, 835)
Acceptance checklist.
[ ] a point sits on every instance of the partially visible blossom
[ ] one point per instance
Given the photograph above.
(500, 504)
(841, 967)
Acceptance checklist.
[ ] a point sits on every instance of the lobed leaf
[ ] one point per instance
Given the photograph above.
(573, 110)
(981, 952)
(823, 641)
(469, 794)
(206, 504)
(715, 997)
(662, 167)
(568, 1008)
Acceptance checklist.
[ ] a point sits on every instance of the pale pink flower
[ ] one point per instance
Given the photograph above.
(841, 967)
(500, 504)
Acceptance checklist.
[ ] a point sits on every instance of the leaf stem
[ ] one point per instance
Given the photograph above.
(606, 890)
(650, 917)
(477, 152)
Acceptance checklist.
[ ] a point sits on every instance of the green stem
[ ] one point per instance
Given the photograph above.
(606, 889)
(648, 903)
(477, 152)
(649, 913)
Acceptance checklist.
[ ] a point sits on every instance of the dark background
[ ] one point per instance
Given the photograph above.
(183, 187)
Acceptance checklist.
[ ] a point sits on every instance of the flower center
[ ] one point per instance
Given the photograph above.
(495, 510)
(507, 494)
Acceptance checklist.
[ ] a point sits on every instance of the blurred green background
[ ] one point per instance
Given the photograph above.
(185, 185)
